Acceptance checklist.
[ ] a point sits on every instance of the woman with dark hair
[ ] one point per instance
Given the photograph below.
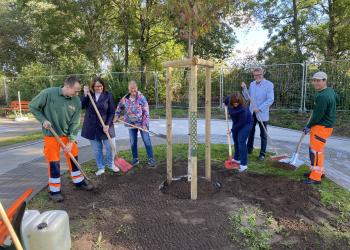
(92, 127)
(242, 124)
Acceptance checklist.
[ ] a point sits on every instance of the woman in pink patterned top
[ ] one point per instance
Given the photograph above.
(136, 112)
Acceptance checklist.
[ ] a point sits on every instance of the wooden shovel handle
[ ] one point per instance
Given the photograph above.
(302, 137)
(8, 224)
(69, 153)
(140, 128)
(102, 122)
(246, 93)
(228, 134)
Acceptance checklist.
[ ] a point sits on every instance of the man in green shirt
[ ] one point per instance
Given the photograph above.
(59, 108)
(320, 126)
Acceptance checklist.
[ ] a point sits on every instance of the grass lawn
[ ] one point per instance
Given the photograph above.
(6, 141)
(248, 225)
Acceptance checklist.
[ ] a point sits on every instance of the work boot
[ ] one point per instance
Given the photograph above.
(151, 163)
(307, 174)
(56, 197)
(85, 185)
(261, 158)
(311, 182)
(135, 162)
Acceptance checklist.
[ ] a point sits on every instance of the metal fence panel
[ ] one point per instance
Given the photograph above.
(338, 77)
(287, 80)
(117, 83)
(292, 85)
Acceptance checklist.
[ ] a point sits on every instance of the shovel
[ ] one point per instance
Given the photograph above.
(229, 164)
(145, 130)
(276, 157)
(294, 160)
(9, 226)
(69, 153)
(118, 161)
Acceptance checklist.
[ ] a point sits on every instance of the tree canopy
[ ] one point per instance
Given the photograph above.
(85, 36)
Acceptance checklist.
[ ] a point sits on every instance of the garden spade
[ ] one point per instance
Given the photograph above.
(276, 157)
(118, 161)
(69, 153)
(229, 164)
(294, 160)
(145, 130)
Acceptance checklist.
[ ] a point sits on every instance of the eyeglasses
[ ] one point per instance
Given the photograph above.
(98, 86)
(257, 75)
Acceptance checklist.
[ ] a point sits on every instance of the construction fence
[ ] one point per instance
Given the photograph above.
(292, 84)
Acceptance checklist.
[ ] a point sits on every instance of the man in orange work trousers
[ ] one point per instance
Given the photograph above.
(59, 108)
(320, 126)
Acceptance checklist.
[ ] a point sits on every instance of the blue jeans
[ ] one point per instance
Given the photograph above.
(240, 144)
(97, 147)
(146, 140)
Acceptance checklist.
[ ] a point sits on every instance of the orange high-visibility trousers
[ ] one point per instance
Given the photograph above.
(318, 138)
(52, 154)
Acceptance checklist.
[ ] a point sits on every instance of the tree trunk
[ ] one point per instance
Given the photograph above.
(126, 46)
(142, 53)
(330, 50)
(126, 36)
(296, 32)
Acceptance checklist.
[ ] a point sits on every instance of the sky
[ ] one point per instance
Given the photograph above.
(250, 39)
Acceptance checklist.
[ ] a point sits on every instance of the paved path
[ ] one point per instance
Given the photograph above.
(24, 165)
(10, 128)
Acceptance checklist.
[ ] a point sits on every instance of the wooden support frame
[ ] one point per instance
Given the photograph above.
(207, 123)
(169, 151)
(193, 131)
(194, 63)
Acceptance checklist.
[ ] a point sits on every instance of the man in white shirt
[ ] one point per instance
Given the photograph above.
(262, 97)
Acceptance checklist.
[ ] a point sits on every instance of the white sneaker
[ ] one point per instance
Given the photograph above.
(242, 168)
(115, 169)
(100, 172)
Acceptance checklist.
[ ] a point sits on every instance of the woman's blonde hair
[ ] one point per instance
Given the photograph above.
(132, 83)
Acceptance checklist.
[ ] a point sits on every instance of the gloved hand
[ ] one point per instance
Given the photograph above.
(306, 130)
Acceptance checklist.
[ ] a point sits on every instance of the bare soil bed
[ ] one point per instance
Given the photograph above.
(130, 212)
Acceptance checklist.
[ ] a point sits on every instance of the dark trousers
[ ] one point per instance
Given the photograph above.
(263, 137)
(240, 144)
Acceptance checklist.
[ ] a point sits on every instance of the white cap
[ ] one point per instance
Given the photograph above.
(320, 76)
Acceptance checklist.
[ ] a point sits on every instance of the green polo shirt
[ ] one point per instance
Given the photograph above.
(325, 108)
(63, 112)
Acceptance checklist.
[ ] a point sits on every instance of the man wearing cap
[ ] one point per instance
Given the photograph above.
(261, 98)
(320, 126)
